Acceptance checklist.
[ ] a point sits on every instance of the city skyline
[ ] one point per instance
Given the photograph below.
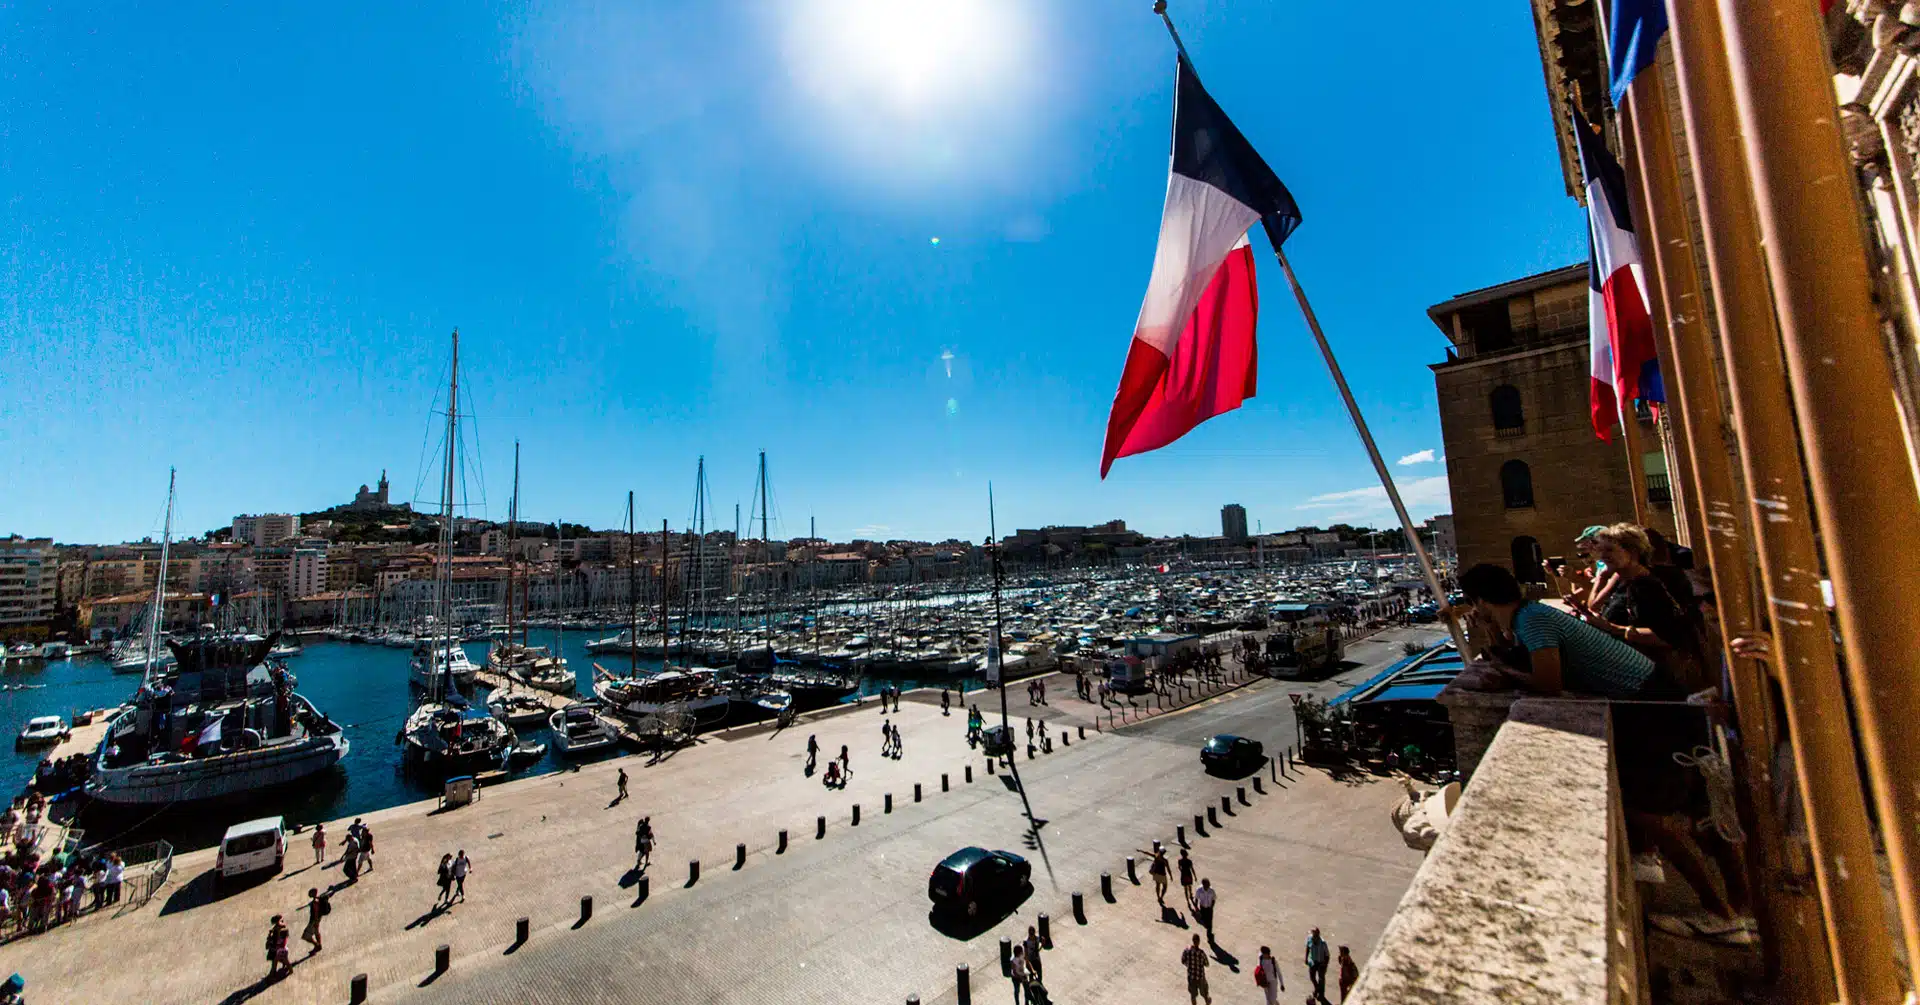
(264, 301)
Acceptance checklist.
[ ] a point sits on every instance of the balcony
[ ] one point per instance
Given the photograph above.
(1510, 432)
(1659, 489)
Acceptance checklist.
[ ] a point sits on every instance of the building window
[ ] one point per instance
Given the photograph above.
(1516, 484)
(1508, 418)
(1659, 490)
(1526, 560)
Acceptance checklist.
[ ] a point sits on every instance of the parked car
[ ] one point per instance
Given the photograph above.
(251, 847)
(40, 731)
(972, 878)
(1227, 752)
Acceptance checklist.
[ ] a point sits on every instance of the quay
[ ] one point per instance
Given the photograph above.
(840, 917)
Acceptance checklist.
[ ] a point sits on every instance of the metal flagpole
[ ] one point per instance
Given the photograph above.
(1373, 452)
(1353, 408)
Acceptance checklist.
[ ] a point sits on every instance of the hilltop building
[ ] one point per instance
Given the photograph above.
(1233, 522)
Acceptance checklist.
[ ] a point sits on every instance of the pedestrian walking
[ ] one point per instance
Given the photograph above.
(317, 907)
(1041, 685)
(366, 848)
(1316, 960)
(946, 700)
(116, 873)
(350, 857)
(1266, 974)
(1186, 876)
(1021, 973)
(277, 963)
(1203, 907)
(1032, 945)
(1159, 869)
(319, 843)
(886, 738)
(813, 751)
(898, 748)
(1195, 960)
(846, 764)
(445, 880)
(1349, 972)
(642, 843)
(622, 783)
(461, 866)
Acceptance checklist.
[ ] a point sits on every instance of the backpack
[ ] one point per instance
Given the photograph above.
(326, 904)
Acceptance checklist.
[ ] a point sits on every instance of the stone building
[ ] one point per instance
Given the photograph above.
(1526, 471)
(29, 582)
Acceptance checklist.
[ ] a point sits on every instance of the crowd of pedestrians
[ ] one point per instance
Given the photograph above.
(38, 894)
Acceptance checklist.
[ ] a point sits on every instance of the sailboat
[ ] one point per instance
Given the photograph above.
(221, 720)
(444, 733)
(516, 660)
(672, 693)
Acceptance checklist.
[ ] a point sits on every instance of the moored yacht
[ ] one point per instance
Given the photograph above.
(442, 667)
(579, 729)
(225, 722)
(697, 690)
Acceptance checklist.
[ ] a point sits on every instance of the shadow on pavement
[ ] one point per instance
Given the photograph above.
(247, 993)
(207, 888)
(428, 918)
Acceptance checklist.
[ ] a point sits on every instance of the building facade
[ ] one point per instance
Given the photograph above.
(1233, 522)
(29, 585)
(1526, 471)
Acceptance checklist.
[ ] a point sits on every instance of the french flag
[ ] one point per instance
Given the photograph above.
(1623, 366)
(1193, 355)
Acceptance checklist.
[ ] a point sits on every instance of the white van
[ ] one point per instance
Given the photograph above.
(251, 846)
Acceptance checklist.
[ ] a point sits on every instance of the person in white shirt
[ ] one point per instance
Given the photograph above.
(1203, 906)
(1266, 973)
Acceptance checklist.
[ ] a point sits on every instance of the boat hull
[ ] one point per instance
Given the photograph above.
(202, 779)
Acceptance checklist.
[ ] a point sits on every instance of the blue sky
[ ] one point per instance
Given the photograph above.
(235, 238)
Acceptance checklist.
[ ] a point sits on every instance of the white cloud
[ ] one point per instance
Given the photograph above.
(1423, 497)
(1417, 457)
(872, 531)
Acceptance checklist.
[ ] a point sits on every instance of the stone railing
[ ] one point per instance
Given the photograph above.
(1528, 895)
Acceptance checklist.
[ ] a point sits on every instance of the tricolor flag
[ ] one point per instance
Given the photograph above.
(1193, 353)
(1623, 366)
(1634, 28)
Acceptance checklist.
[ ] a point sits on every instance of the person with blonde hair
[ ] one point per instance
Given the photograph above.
(1633, 604)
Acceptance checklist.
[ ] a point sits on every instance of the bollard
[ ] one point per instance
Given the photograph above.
(1133, 876)
(1006, 956)
(1180, 835)
(522, 928)
(1066, 738)
(1213, 816)
(989, 765)
(781, 848)
(1079, 908)
(887, 805)
(1029, 751)
(916, 792)
(946, 784)
(963, 992)
(1046, 933)
(442, 958)
(693, 872)
(586, 909)
(1259, 785)
(1199, 825)
(913, 1000)
(969, 774)
(820, 828)
(740, 855)
(1226, 805)
(856, 814)
(1083, 732)
(1106, 886)
(357, 989)
(1241, 792)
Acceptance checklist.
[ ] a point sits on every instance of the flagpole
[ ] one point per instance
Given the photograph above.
(1353, 408)
(1373, 451)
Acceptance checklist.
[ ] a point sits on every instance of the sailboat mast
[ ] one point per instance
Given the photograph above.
(160, 584)
(665, 618)
(633, 596)
(440, 660)
(766, 558)
(513, 538)
(997, 653)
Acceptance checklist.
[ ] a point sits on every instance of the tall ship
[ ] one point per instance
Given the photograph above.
(445, 734)
(222, 720)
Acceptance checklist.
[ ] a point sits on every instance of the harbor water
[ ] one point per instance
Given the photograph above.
(362, 687)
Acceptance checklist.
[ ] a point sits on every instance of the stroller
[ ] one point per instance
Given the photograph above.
(1037, 993)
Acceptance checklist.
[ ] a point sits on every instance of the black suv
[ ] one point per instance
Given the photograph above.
(972, 877)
